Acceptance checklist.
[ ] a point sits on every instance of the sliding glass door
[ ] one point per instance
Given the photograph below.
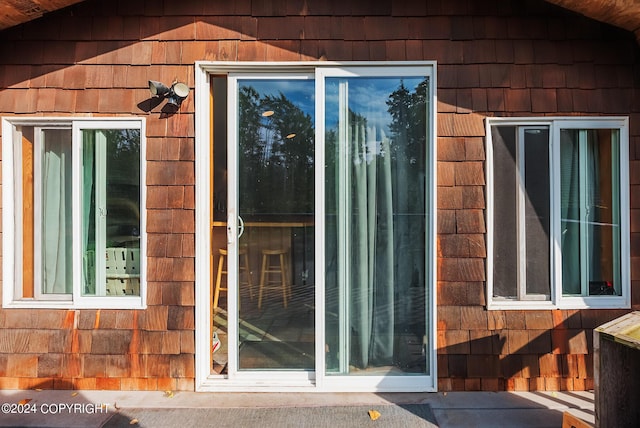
(326, 193)
(272, 210)
(377, 224)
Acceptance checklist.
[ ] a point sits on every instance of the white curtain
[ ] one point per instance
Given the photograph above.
(580, 209)
(56, 212)
(372, 243)
(570, 212)
(88, 159)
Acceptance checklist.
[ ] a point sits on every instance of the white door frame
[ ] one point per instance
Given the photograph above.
(294, 381)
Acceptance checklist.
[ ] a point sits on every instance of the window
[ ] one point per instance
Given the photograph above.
(72, 204)
(557, 192)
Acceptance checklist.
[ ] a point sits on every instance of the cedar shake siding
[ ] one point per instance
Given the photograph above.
(494, 58)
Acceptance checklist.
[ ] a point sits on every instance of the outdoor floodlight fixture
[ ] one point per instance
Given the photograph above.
(174, 95)
(177, 94)
(158, 89)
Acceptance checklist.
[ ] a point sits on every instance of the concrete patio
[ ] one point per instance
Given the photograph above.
(64, 408)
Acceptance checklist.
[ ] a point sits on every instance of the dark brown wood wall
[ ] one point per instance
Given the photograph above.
(495, 58)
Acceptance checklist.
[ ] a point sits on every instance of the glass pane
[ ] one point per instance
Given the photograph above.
(111, 212)
(56, 212)
(219, 85)
(521, 259)
(220, 338)
(376, 225)
(505, 217)
(276, 204)
(590, 212)
(536, 211)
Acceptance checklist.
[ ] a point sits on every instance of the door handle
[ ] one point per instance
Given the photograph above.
(231, 226)
(240, 227)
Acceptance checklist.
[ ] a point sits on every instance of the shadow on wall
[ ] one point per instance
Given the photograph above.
(149, 104)
(551, 367)
(520, 354)
(68, 37)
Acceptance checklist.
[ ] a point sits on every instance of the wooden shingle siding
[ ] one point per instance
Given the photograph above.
(495, 58)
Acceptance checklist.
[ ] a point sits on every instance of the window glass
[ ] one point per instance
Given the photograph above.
(505, 262)
(521, 268)
(111, 211)
(590, 212)
(275, 197)
(536, 201)
(376, 225)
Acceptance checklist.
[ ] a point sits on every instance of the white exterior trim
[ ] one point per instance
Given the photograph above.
(557, 300)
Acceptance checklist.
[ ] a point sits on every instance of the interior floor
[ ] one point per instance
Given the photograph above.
(271, 337)
(276, 338)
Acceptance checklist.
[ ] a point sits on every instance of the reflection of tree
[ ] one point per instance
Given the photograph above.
(124, 144)
(276, 155)
(123, 183)
(123, 163)
(121, 180)
(408, 128)
(408, 131)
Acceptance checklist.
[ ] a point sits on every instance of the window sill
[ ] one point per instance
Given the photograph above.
(520, 305)
(105, 303)
(617, 302)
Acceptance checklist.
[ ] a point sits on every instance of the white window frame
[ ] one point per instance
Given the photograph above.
(11, 223)
(557, 300)
(205, 381)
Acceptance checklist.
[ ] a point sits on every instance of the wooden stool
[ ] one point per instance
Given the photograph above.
(243, 259)
(268, 269)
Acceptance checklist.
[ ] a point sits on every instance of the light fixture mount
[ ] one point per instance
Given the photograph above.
(174, 94)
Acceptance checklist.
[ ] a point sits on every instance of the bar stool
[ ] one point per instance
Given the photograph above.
(243, 260)
(269, 269)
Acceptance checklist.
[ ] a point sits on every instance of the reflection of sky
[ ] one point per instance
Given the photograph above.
(300, 92)
(368, 97)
